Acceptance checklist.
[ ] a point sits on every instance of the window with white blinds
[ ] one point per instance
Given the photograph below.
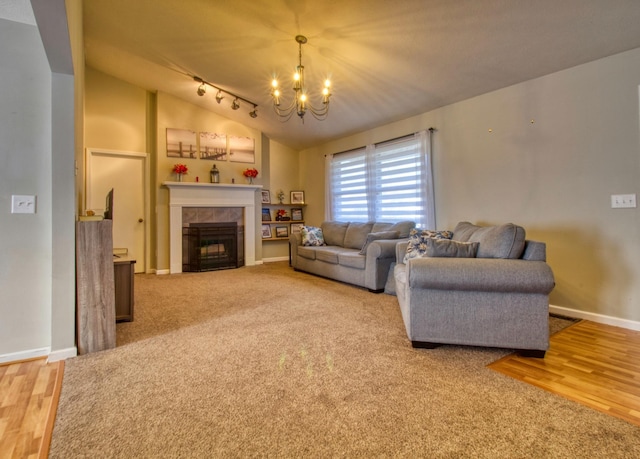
(382, 182)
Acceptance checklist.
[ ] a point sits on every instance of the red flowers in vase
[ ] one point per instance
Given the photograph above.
(250, 173)
(180, 169)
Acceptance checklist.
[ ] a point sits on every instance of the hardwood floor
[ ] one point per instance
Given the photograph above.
(29, 393)
(593, 364)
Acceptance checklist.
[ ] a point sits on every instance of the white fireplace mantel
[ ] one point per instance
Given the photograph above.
(195, 194)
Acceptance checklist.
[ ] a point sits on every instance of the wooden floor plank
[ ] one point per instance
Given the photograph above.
(28, 392)
(594, 364)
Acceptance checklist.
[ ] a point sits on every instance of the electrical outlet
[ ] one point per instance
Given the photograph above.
(619, 201)
(21, 204)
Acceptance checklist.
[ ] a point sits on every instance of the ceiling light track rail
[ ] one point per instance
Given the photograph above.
(235, 105)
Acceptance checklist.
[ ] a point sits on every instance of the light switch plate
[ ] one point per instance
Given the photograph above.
(619, 201)
(23, 204)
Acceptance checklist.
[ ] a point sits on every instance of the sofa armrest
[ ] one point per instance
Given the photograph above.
(295, 241)
(382, 248)
(480, 274)
(401, 251)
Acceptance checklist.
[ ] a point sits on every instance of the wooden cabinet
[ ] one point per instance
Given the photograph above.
(123, 274)
(95, 313)
(279, 230)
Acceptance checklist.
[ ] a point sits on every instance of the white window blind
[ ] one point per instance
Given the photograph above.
(383, 182)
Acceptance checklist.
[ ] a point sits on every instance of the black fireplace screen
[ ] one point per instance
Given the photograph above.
(210, 246)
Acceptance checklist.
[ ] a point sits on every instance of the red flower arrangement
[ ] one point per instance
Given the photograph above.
(251, 173)
(180, 169)
(282, 212)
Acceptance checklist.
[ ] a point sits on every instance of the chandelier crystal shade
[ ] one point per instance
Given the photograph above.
(301, 104)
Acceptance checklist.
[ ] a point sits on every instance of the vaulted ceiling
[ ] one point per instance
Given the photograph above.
(388, 60)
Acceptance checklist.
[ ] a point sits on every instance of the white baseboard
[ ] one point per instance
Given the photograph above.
(24, 355)
(593, 317)
(161, 272)
(63, 354)
(271, 260)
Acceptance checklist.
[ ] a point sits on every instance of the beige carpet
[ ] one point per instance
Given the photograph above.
(266, 362)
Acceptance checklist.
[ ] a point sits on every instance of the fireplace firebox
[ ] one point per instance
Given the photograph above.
(211, 246)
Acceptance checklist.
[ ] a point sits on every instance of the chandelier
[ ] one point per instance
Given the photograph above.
(300, 104)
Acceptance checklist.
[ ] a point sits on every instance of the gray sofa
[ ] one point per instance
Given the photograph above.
(496, 295)
(356, 253)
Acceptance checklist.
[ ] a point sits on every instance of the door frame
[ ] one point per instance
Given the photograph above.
(89, 153)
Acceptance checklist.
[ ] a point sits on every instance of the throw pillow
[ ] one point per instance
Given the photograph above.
(446, 248)
(376, 237)
(417, 245)
(311, 235)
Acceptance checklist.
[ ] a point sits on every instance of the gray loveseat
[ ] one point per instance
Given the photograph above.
(356, 253)
(497, 295)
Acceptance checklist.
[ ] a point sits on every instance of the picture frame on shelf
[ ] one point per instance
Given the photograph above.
(296, 214)
(266, 197)
(297, 197)
(296, 227)
(266, 231)
(266, 215)
(282, 231)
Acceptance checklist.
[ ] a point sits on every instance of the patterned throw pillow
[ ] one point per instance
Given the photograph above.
(312, 235)
(417, 246)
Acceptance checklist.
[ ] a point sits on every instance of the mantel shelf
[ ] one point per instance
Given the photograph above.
(226, 186)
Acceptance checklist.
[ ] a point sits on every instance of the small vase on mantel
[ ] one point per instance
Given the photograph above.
(250, 180)
(178, 177)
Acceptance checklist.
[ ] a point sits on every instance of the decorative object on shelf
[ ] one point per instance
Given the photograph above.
(296, 227)
(266, 231)
(266, 197)
(281, 214)
(297, 197)
(280, 196)
(300, 104)
(180, 170)
(250, 173)
(215, 174)
(266, 215)
(202, 90)
(282, 231)
(296, 214)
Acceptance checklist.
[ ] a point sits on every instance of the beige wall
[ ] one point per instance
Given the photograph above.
(546, 154)
(285, 176)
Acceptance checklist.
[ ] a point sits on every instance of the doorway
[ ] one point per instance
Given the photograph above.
(126, 173)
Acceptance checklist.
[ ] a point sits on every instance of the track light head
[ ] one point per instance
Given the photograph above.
(235, 105)
(254, 113)
(202, 89)
(219, 96)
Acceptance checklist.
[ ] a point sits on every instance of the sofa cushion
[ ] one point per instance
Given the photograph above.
(403, 227)
(312, 235)
(352, 259)
(447, 248)
(356, 235)
(417, 246)
(503, 241)
(334, 232)
(378, 236)
(307, 252)
(328, 254)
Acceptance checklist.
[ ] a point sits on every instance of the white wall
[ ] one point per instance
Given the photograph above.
(25, 169)
(554, 175)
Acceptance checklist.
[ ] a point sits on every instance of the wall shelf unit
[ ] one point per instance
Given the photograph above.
(275, 230)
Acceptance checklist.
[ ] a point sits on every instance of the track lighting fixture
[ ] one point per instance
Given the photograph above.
(235, 105)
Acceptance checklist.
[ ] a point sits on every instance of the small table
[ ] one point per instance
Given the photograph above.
(123, 270)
